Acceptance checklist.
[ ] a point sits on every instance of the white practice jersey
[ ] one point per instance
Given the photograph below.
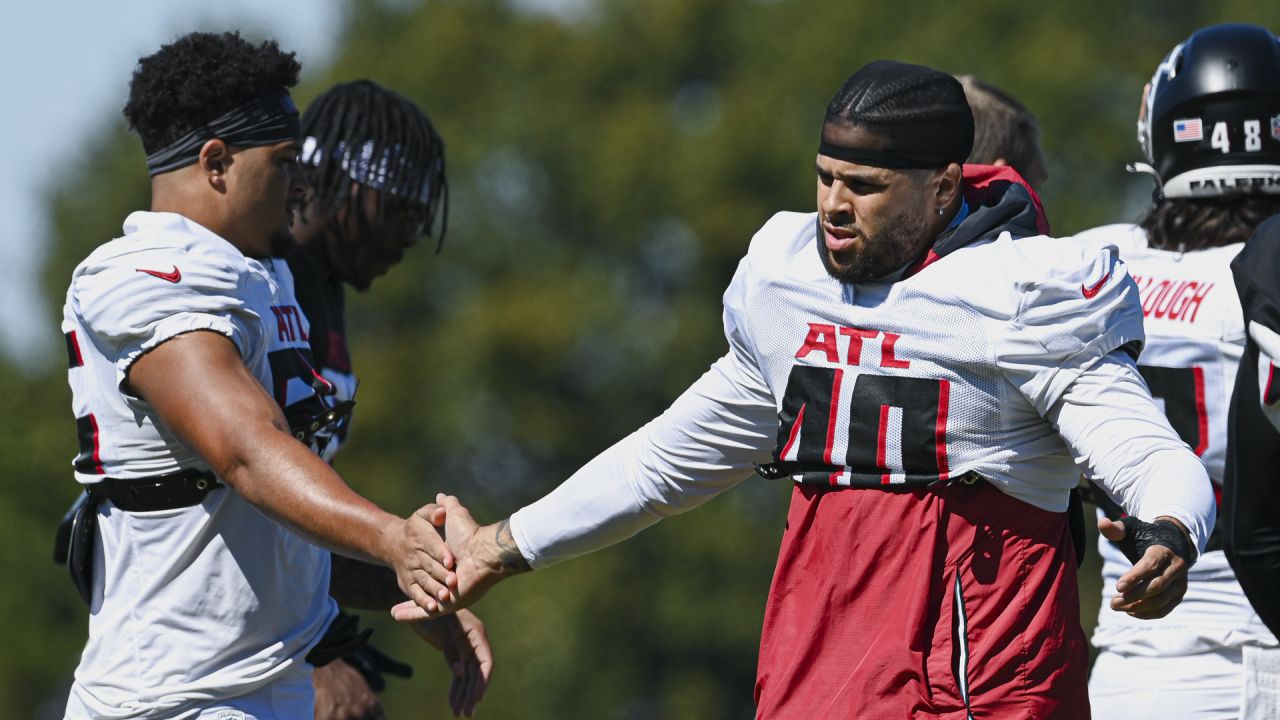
(948, 371)
(193, 605)
(1195, 338)
(958, 368)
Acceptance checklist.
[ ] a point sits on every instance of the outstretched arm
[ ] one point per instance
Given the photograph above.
(704, 444)
(208, 398)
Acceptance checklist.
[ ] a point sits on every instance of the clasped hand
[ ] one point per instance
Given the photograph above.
(455, 560)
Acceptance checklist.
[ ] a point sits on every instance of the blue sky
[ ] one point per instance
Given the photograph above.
(66, 73)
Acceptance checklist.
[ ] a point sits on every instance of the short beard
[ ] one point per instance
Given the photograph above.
(898, 244)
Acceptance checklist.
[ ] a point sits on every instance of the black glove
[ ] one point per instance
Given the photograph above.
(1139, 535)
(343, 637)
(373, 663)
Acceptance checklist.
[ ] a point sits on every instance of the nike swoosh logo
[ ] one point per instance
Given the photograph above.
(175, 275)
(1090, 292)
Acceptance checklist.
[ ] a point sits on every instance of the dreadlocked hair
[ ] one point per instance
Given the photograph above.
(361, 136)
(1187, 225)
(199, 77)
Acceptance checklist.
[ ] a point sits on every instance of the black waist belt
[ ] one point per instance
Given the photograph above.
(788, 468)
(162, 492)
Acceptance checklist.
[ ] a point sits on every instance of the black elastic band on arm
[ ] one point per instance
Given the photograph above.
(1140, 535)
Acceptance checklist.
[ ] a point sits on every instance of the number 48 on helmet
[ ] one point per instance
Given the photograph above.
(1210, 118)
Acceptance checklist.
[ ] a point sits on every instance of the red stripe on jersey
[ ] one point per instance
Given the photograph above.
(834, 478)
(319, 383)
(795, 432)
(73, 341)
(940, 431)
(97, 447)
(1269, 392)
(1202, 414)
(831, 421)
(882, 439)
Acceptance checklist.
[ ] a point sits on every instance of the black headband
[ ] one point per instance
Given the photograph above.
(896, 115)
(264, 121)
(891, 158)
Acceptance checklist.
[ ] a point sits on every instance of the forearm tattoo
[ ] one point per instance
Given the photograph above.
(513, 562)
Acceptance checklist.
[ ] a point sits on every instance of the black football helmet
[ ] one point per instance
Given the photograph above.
(1210, 118)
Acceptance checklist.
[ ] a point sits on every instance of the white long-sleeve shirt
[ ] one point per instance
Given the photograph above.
(1007, 358)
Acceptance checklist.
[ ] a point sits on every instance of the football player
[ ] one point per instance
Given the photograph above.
(376, 184)
(1005, 132)
(931, 372)
(1204, 127)
(203, 543)
(1250, 503)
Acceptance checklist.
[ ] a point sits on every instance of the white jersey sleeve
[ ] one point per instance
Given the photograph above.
(160, 280)
(705, 443)
(1074, 309)
(126, 310)
(1122, 441)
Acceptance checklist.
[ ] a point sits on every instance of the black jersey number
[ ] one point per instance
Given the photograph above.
(1182, 389)
(809, 415)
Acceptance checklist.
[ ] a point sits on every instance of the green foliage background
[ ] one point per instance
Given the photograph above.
(607, 171)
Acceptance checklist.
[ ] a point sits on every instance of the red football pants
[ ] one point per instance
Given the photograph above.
(945, 602)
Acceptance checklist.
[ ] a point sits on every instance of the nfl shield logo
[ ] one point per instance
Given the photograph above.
(1275, 127)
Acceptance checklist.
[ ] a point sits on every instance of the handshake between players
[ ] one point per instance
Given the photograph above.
(460, 560)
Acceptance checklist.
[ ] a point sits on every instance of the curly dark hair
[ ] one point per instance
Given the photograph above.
(1187, 225)
(198, 77)
(364, 122)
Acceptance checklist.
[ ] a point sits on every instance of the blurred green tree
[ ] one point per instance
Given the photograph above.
(609, 163)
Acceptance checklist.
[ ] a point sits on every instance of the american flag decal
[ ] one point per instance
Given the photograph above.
(1275, 127)
(1189, 130)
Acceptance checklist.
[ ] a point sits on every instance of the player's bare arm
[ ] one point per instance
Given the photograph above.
(209, 399)
(363, 586)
